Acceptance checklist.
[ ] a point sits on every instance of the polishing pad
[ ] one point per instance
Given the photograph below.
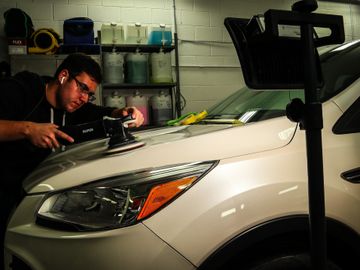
(123, 148)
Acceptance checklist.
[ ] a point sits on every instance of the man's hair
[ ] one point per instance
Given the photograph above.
(77, 63)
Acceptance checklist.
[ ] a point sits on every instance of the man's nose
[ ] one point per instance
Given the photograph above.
(84, 97)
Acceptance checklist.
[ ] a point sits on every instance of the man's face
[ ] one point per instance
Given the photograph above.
(76, 91)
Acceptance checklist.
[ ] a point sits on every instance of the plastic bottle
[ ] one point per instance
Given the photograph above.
(136, 68)
(160, 36)
(114, 100)
(141, 103)
(112, 33)
(161, 68)
(161, 110)
(113, 64)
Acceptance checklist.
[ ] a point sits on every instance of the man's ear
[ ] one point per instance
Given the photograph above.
(62, 76)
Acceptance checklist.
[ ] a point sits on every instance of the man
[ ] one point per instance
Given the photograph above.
(32, 108)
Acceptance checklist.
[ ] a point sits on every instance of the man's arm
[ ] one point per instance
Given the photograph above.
(136, 114)
(14, 130)
(90, 112)
(42, 135)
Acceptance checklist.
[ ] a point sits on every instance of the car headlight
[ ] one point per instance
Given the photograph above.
(118, 201)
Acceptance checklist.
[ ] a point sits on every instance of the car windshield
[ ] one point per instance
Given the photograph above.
(247, 105)
(340, 68)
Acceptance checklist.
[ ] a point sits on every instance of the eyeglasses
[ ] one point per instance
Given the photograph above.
(84, 89)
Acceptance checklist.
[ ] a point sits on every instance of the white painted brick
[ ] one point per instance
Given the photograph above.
(241, 9)
(273, 4)
(149, 4)
(346, 19)
(192, 49)
(57, 26)
(187, 60)
(348, 38)
(182, 4)
(349, 29)
(331, 5)
(118, 3)
(37, 11)
(208, 33)
(226, 36)
(195, 18)
(232, 61)
(355, 14)
(339, 11)
(216, 20)
(248, 8)
(186, 32)
(162, 16)
(197, 106)
(223, 49)
(104, 14)
(356, 34)
(63, 12)
(168, 4)
(133, 15)
(7, 4)
(86, 2)
(210, 61)
(207, 92)
(203, 87)
(207, 5)
(178, 17)
(231, 13)
(47, 1)
(211, 76)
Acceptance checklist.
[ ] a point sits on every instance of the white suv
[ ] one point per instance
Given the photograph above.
(229, 192)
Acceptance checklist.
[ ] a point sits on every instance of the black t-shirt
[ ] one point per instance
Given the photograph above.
(22, 98)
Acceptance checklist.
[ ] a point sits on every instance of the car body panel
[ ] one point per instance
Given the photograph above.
(126, 248)
(189, 144)
(236, 203)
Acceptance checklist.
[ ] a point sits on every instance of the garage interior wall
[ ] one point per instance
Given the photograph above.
(209, 67)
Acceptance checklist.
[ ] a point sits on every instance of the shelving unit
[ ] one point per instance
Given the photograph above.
(138, 86)
(136, 47)
(47, 64)
(148, 89)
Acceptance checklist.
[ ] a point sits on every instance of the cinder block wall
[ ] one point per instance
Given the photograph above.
(209, 68)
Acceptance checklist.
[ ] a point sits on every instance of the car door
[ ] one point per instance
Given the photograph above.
(341, 151)
(349, 123)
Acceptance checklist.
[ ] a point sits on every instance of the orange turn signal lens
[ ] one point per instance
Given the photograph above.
(162, 193)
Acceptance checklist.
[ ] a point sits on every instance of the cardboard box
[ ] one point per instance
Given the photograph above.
(17, 45)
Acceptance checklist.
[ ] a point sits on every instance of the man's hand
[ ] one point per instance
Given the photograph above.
(44, 135)
(135, 113)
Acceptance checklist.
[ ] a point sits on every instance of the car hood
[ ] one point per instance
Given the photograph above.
(91, 161)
